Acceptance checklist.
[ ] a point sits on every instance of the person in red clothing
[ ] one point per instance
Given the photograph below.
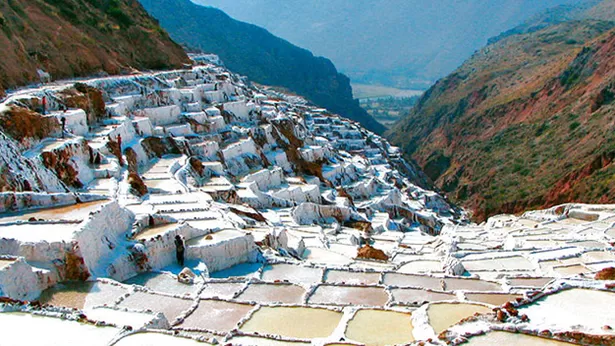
(44, 105)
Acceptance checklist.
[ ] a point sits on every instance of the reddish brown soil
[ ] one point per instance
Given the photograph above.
(367, 251)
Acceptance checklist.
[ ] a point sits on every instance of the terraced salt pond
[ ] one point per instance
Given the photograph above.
(505, 263)
(222, 290)
(51, 331)
(152, 232)
(215, 237)
(492, 298)
(349, 295)
(507, 338)
(409, 280)
(5, 263)
(379, 327)
(355, 278)
(417, 267)
(529, 282)
(75, 212)
(292, 273)
(156, 339)
(454, 284)
(32, 232)
(217, 315)
(320, 255)
(293, 322)
(444, 315)
(243, 270)
(163, 282)
(415, 296)
(268, 293)
(81, 295)
(253, 340)
(119, 317)
(171, 307)
(574, 307)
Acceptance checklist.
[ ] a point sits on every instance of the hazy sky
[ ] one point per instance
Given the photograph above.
(434, 36)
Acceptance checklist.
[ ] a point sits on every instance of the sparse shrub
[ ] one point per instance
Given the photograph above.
(574, 125)
(115, 11)
(541, 129)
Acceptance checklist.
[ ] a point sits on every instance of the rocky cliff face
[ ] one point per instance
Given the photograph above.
(526, 122)
(69, 38)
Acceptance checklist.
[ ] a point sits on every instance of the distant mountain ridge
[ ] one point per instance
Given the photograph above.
(590, 9)
(263, 57)
(70, 38)
(407, 44)
(526, 122)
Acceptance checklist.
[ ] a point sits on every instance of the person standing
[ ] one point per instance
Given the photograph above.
(63, 121)
(44, 105)
(179, 249)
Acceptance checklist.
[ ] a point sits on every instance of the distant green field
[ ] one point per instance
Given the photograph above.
(363, 91)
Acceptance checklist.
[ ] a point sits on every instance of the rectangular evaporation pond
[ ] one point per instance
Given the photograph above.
(74, 212)
(492, 298)
(507, 338)
(39, 232)
(292, 273)
(406, 280)
(273, 293)
(529, 282)
(152, 339)
(222, 290)
(6, 262)
(162, 282)
(51, 331)
(253, 340)
(81, 295)
(378, 327)
(349, 277)
(215, 237)
(502, 263)
(165, 185)
(415, 296)
(453, 284)
(421, 266)
(293, 322)
(152, 232)
(444, 315)
(216, 315)
(571, 308)
(320, 255)
(169, 306)
(349, 295)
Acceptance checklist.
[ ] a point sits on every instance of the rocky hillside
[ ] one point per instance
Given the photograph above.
(265, 58)
(526, 122)
(69, 38)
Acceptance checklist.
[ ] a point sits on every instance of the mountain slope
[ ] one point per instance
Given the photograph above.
(401, 43)
(69, 38)
(589, 9)
(526, 122)
(267, 59)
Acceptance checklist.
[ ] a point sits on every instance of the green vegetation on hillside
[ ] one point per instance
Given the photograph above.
(70, 38)
(526, 122)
